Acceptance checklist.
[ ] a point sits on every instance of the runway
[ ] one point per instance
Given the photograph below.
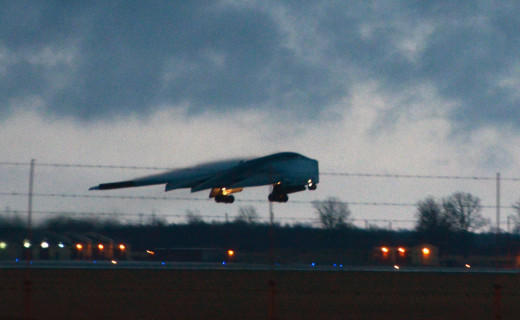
(151, 290)
(167, 265)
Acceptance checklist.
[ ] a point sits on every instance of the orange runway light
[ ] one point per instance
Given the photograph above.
(79, 246)
(384, 249)
(100, 246)
(401, 250)
(231, 253)
(426, 251)
(150, 252)
(122, 247)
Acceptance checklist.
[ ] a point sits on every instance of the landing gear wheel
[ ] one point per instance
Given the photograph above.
(224, 199)
(278, 197)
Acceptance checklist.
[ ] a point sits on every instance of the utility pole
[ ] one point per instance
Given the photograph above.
(27, 281)
(498, 222)
(498, 203)
(29, 208)
(272, 281)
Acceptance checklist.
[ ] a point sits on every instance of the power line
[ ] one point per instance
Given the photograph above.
(203, 216)
(410, 176)
(140, 214)
(165, 198)
(337, 174)
(87, 166)
(84, 196)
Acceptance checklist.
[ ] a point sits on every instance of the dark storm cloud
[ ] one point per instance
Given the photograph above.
(132, 57)
(97, 60)
(470, 48)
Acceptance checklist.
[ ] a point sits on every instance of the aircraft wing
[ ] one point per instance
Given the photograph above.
(288, 173)
(238, 177)
(175, 179)
(114, 185)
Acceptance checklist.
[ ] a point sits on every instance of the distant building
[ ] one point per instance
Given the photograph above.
(425, 255)
(386, 255)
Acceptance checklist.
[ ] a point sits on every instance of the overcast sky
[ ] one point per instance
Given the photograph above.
(381, 87)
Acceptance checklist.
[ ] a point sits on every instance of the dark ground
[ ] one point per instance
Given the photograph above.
(234, 294)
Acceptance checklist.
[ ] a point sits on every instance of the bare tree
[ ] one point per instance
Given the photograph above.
(193, 217)
(248, 215)
(332, 213)
(431, 218)
(433, 224)
(463, 211)
(156, 221)
(516, 218)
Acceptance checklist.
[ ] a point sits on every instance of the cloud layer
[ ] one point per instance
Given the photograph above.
(95, 61)
(385, 86)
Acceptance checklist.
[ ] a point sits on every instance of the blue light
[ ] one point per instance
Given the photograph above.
(313, 264)
(335, 265)
(341, 266)
(163, 263)
(16, 259)
(223, 263)
(95, 261)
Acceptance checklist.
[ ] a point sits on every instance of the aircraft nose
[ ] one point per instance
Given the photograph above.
(316, 170)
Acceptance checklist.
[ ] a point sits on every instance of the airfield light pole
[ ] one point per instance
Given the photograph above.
(28, 252)
(272, 281)
(271, 234)
(29, 204)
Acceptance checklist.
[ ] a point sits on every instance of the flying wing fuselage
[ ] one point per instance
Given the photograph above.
(288, 172)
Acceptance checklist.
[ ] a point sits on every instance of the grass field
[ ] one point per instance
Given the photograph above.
(233, 294)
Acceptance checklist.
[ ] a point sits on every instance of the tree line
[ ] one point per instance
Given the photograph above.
(448, 223)
(459, 212)
(439, 221)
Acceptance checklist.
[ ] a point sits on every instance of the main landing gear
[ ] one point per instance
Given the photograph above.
(275, 197)
(224, 199)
